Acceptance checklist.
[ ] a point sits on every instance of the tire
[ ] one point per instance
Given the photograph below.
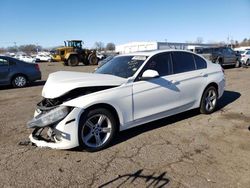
(19, 81)
(73, 61)
(65, 63)
(238, 64)
(247, 62)
(209, 100)
(96, 130)
(93, 59)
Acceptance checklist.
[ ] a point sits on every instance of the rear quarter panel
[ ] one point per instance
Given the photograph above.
(216, 75)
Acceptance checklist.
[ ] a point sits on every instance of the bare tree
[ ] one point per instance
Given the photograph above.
(110, 46)
(2, 50)
(199, 40)
(12, 49)
(99, 46)
(245, 42)
(29, 48)
(237, 44)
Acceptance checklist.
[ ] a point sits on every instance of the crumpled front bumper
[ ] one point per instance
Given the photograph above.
(65, 133)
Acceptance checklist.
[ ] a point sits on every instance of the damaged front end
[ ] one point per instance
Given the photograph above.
(55, 125)
(49, 123)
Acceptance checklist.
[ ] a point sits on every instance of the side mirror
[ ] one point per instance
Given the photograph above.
(148, 74)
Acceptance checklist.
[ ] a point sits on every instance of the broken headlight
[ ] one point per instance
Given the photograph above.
(49, 118)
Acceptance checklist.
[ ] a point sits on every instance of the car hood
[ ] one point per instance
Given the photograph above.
(61, 82)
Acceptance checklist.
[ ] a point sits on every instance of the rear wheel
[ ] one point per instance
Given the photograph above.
(73, 61)
(247, 62)
(209, 100)
(237, 65)
(19, 81)
(96, 129)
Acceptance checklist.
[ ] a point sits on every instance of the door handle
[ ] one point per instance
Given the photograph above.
(174, 82)
(203, 74)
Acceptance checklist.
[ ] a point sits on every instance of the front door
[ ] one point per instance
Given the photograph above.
(156, 95)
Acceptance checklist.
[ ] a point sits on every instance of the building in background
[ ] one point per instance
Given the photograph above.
(147, 46)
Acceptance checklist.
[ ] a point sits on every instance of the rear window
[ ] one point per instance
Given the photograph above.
(3, 62)
(207, 50)
(200, 63)
(183, 62)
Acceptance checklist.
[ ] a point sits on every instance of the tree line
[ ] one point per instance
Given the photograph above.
(100, 46)
(244, 42)
(31, 48)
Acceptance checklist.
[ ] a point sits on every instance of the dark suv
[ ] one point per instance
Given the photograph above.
(221, 55)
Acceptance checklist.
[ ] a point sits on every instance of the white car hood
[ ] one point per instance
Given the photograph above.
(61, 82)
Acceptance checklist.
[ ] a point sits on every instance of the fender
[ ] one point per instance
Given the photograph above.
(69, 54)
(122, 104)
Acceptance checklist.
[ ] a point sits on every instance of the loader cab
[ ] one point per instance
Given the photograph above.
(73, 43)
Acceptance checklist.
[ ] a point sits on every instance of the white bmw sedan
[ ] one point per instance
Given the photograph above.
(87, 109)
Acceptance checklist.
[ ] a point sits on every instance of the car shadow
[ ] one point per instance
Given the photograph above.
(227, 98)
(33, 84)
(37, 83)
(151, 180)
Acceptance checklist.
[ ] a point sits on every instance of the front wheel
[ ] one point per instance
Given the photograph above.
(73, 61)
(247, 62)
(93, 59)
(209, 100)
(238, 64)
(96, 129)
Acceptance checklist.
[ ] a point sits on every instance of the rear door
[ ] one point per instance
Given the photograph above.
(4, 71)
(229, 56)
(191, 76)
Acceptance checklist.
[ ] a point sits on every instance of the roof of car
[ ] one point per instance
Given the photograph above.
(153, 52)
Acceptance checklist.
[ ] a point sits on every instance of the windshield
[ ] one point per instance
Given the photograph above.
(122, 66)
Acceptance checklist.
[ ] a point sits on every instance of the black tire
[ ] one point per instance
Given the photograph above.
(238, 64)
(88, 136)
(93, 59)
(247, 62)
(65, 63)
(207, 107)
(19, 81)
(73, 60)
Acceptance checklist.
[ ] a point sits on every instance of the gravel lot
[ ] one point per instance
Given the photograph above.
(186, 150)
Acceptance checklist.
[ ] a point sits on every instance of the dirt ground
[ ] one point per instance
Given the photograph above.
(186, 150)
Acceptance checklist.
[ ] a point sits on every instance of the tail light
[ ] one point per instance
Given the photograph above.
(223, 70)
(37, 67)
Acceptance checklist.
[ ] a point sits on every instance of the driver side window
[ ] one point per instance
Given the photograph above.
(160, 63)
(3, 62)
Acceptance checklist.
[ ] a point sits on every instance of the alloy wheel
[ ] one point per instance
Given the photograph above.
(210, 100)
(96, 130)
(20, 81)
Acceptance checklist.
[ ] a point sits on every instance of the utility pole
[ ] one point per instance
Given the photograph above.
(15, 46)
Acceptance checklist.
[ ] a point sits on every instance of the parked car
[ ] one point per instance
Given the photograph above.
(100, 56)
(221, 55)
(41, 57)
(17, 73)
(86, 109)
(245, 57)
(25, 58)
